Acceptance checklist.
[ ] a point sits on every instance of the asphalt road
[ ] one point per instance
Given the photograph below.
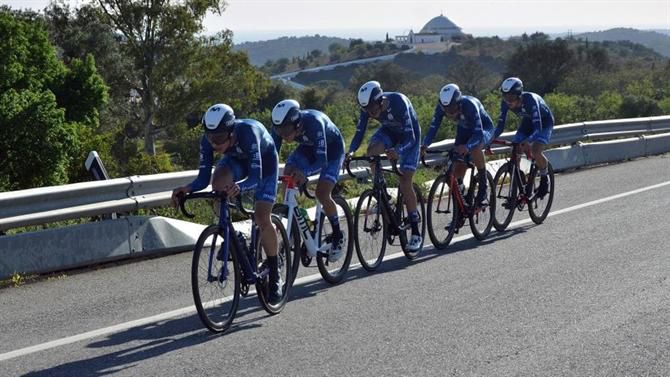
(585, 293)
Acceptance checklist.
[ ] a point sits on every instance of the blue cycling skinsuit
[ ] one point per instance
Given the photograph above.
(475, 126)
(321, 146)
(253, 156)
(399, 129)
(537, 120)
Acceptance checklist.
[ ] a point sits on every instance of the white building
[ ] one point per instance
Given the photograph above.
(439, 29)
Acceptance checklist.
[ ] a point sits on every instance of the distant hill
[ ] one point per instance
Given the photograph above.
(490, 54)
(656, 41)
(286, 47)
(662, 31)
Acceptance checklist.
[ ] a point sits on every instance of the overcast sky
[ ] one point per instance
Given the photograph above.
(478, 17)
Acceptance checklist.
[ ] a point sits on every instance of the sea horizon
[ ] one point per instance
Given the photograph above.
(242, 36)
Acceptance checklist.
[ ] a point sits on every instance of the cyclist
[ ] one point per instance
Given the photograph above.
(473, 132)
(398, 137)
(249, 162)
(321, 149)
(537, 123)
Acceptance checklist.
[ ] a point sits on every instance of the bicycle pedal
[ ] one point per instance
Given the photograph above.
(244, 289)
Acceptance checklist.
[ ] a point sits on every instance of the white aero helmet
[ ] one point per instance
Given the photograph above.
(219, 118)
(286, 112)
(370, 92)
(512, 85)
(449, 95)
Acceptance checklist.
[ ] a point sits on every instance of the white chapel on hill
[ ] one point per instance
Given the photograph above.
(439, 29)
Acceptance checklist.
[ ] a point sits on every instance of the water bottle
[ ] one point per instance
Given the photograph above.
(305, 215)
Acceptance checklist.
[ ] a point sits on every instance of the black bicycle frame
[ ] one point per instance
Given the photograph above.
(247, 262)
(381, 191)
(524, 183)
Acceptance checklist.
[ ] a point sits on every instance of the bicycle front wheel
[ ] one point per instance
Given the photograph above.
(539, 208)
(481, 219)
(370, 230)
(215, 282)
(505, 192)
(440, 212)
(283, 265)
(333, 272)
(405, 234)
(295, 242)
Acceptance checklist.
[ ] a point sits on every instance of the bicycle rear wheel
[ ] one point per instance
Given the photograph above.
(481, 220)
(283, 265)
(539, 208)
(333, 272)
(505, 192)
(440, 208)
(370, 230)
(404, 218)
(216, 295)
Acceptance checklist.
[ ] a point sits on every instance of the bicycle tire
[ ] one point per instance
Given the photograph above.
(211, 315)
(536, 214)
(296, 242)
(436, 198)
(421, 207)
(505, 192)
(481, 222)
(330, 274)
(370, 256)
(283, 264)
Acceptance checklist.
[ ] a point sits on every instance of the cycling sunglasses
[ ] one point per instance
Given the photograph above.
(218, 138)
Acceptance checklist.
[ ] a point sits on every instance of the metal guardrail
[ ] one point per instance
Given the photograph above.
(73, 201)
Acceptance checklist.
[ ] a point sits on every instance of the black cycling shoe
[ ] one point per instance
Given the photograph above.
(275, 292)
(482, 199)
(543, 188)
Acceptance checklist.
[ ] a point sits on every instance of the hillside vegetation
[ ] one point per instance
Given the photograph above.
(336, 53)
(286, 47)
(657, 41)
(69, 84)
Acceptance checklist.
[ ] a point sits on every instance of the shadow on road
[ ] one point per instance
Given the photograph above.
(148, 341)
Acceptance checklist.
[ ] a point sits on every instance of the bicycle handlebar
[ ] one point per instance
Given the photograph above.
(302, 188)
(423, 157)
(507, 143)
(502, 142)
(211, 195)
(451, 156)
(371, 159)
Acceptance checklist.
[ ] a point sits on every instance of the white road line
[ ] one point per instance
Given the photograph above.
(303, 280)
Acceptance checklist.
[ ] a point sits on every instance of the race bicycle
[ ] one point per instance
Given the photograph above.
(451, 204)
(312, 239)
(515, 187)
(225, 265)
(378, 220)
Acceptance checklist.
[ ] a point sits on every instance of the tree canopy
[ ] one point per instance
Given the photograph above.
(43, 103)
